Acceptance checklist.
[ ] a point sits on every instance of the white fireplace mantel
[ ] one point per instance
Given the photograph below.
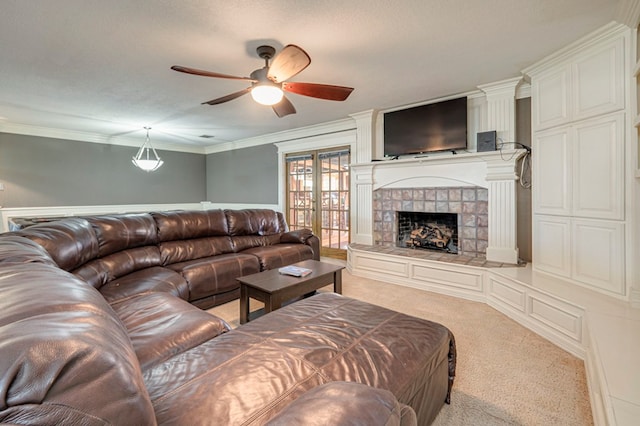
(495, 170)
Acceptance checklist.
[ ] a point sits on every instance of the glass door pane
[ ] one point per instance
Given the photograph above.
(334, 202)
(318, 197)
(300, 192)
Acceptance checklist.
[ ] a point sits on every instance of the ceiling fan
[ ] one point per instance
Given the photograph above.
(269, 82)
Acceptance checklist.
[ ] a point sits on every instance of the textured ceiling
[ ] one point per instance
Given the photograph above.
(102, 68)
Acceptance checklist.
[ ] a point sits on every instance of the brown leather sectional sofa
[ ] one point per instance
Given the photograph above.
(100, 323)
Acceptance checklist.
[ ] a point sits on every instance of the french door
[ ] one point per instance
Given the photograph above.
(318, 197)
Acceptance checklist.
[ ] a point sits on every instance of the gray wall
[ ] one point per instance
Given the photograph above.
(523, 135)
(38, 172)
(248, 175)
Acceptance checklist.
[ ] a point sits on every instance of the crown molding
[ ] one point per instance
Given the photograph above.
(523, 90)
(286, 135)
(470, 94)
(629, 13)
(74, 135)
(501, 88)
(606, 32)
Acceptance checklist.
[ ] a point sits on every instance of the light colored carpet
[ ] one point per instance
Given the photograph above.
(506, 374)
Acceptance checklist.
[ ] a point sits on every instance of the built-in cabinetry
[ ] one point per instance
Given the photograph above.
(579, 119)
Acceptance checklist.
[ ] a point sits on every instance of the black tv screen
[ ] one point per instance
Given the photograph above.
(441, 126)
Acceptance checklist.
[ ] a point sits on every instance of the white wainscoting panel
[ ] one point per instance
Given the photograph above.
(551, 174)
(375, 263)
(449, 276)
(512, 295)
(551, 90)
(598, 254)
(598, 86)
(552, 244)
(556, 314)
(598, 168)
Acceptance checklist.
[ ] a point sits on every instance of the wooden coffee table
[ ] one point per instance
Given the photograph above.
(273, 288)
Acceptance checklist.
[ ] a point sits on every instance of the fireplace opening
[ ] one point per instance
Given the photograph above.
(428, 231)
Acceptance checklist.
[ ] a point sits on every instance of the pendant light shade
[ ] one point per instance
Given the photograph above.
(147, 158)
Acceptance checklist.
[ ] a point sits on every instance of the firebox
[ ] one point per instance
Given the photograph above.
(429, 231)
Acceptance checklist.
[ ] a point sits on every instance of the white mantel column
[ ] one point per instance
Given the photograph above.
(503, 236)
(362, 213)
(365, 135)
(362, 178)
(501, 175)
(501, 108)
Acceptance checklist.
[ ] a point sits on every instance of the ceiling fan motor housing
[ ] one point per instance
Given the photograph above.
(266, 52)
(260, 75)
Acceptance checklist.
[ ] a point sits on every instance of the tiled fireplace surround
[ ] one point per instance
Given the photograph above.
(469, 203)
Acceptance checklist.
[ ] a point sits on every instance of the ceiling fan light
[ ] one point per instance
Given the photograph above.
(266, 94)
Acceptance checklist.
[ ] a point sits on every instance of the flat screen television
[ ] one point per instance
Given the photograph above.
(441, 126)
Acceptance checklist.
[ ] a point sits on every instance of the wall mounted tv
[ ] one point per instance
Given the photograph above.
(441, 126)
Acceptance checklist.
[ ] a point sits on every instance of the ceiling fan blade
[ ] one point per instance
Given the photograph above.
(284, 107)
(289, 62)
(208, 73)
(228, 98)
(321, 91)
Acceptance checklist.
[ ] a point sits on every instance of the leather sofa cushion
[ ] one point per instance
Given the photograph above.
(212, 275)
(100, 271)
(345, 404)
(161, 325)
(298, 236)
(276, 256)
(183, 250)
(64, 353)
(255, 222)
(181, 225)
(244, 242)
(70, 242)
(263, 366)
(154, 279)
(121, 232)
(15, 249)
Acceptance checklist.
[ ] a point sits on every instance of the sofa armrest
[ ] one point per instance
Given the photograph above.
(303, 236)
(345, 403)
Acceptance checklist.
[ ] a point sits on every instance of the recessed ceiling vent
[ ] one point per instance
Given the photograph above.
(207, 136)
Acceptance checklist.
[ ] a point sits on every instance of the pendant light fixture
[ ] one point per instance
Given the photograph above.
(147, 158)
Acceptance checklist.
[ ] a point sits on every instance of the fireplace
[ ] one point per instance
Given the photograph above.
(469, 205)
(428, 231)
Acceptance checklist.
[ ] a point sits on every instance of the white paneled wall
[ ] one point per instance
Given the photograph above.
(580, 205)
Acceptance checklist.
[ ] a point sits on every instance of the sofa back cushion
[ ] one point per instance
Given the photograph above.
(181, 251)
(255, 222)
(65, 357)
(185, 225)
(245, 242)
(70, 242)
(123, 231)
(101, 271)
(15, 249)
